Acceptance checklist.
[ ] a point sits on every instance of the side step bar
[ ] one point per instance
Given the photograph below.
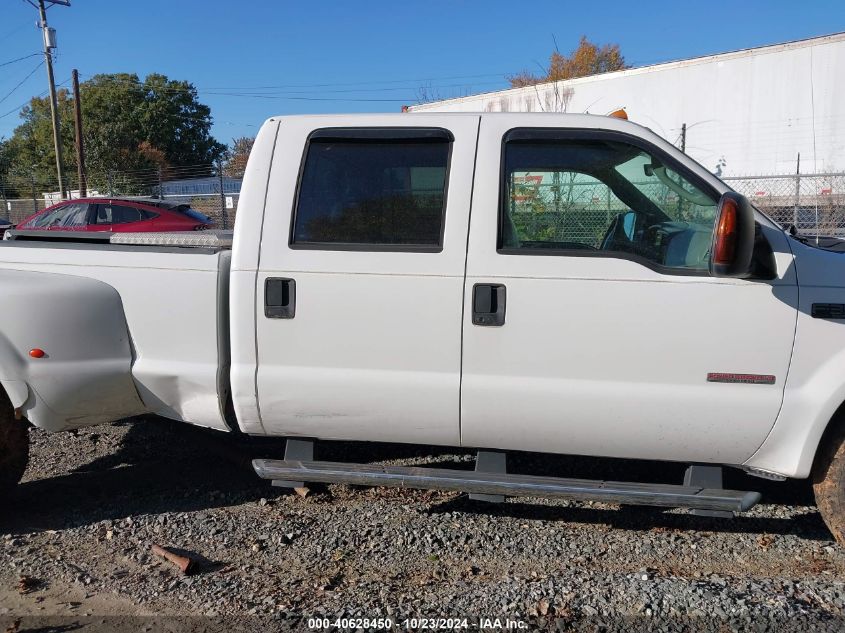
(487, 483)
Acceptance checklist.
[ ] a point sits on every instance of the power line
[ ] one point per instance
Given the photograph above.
(187, 117)
(20, 59)
(295, 98)
(289, 86)
(14, 31)
(286, 96)
(364, 83)
(31, 73)
(250, 93)
(38, 96)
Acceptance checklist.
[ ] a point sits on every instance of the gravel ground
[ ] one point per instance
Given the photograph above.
(91, 505)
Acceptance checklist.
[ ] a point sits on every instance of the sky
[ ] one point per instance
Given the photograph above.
(253, 59)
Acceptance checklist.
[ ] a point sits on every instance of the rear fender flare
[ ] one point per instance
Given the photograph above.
(81, 325)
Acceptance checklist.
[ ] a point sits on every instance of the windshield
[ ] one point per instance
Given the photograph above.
(679, 199)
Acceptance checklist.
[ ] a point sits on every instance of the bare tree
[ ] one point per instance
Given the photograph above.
(428, 93)
(557, 99)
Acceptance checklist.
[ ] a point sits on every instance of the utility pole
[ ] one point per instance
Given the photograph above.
(80, 148)
(49, 39)
(222, 195)
(684, 150)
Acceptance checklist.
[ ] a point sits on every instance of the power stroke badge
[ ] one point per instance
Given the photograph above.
(748, 379)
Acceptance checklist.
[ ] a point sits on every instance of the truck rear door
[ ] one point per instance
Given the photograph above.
(592, 325)
(360, 278)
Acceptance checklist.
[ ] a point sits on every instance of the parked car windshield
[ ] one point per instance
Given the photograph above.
(63, 216)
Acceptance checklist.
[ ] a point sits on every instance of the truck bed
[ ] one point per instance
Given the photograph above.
(175, 301)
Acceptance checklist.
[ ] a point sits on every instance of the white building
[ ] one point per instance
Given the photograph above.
(747, 112)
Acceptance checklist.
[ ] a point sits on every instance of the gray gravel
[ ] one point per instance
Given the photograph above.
(93, 503)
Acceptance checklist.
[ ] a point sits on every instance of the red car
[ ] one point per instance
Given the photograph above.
(117, 215)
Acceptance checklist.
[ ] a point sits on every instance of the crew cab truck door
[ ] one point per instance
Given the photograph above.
(360, 280)
(596, 328)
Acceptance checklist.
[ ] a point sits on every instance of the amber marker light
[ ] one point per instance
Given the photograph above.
(37, 352)
(726, 234)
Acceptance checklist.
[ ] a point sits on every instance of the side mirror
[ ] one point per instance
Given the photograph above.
(733, 237)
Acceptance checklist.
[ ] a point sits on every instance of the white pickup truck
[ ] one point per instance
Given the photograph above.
(567, 284)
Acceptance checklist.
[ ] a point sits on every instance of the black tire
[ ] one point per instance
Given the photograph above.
(829, 478)
(14, 445)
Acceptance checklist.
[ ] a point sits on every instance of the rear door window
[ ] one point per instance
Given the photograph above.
(121, 214)
(373, 190)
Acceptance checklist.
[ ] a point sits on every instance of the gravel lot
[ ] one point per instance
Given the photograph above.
(80, 527)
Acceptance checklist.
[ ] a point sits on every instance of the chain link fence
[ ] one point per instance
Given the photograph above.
(579, 209)
(210, 189)
(814, 203)
(573, 211)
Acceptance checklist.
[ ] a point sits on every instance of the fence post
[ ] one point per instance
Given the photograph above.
(797, 192)
(34, 201)
(160, 186)
(223, 218)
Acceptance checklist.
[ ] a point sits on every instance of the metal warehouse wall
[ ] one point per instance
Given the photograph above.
(747, 112)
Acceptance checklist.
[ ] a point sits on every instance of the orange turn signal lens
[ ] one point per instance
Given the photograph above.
(36, 352)
(726, 234)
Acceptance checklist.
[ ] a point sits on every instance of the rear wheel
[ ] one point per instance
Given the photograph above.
(829, 478)
(14, 445)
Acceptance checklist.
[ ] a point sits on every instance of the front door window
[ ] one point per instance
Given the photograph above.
(603, 198)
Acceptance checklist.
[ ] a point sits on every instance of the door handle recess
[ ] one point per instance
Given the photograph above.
(488, 304)
(279, 298)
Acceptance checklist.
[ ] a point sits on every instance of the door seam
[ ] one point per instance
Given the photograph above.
(464, 290)
(255, 280)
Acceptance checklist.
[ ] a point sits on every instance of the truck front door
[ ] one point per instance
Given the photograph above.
(360, 278)
(592, 325)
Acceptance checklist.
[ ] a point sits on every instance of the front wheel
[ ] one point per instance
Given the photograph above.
(14, 445)
(829, 479)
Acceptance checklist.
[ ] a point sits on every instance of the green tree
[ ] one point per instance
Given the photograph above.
(129, 125)
(587, 59)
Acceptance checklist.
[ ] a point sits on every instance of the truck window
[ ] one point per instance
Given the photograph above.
(602, 197)
(372, 193)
